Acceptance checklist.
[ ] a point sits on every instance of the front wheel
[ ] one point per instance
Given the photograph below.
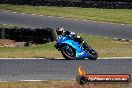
(93, 54)
(68, 52)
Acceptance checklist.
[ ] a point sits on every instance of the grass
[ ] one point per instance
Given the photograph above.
(10, 26)
(105, 48)
(59, 84)
(108, 15)
(7, 26)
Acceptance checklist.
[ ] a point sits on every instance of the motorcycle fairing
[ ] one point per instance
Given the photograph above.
(80, 53)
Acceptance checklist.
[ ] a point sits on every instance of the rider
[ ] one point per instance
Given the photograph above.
(60, 31)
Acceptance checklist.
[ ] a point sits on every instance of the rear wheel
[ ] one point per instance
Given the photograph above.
(68, 52)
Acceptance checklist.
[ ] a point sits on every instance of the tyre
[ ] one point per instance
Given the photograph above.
(81, 80)
(93, 54)
(68, 52)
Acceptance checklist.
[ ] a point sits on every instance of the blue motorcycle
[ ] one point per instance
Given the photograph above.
(71, 49)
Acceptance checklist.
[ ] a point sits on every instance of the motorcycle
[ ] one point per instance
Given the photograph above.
(71, 49)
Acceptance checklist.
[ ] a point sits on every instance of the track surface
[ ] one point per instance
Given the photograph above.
(44, 69)
(87, 27)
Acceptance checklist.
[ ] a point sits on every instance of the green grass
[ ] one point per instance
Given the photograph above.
(105, 48)
(10, 26)
(108, 15)
(59, 84)
(2, 25)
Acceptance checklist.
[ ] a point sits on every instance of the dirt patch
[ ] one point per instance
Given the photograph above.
(6, 42)
(12, 43)
(59, 84)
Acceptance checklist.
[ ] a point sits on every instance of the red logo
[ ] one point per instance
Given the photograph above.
(83, 78)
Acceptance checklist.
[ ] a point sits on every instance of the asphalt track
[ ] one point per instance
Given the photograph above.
(78, 26)
(44, 69)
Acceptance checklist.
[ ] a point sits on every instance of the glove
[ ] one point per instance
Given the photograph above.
(78, 36)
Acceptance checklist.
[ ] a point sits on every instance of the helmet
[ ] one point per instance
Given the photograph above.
(59, 31)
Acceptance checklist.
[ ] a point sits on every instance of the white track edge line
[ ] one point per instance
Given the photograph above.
(30, 80)
(63, 58)
(20, 58)
(24, 81)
